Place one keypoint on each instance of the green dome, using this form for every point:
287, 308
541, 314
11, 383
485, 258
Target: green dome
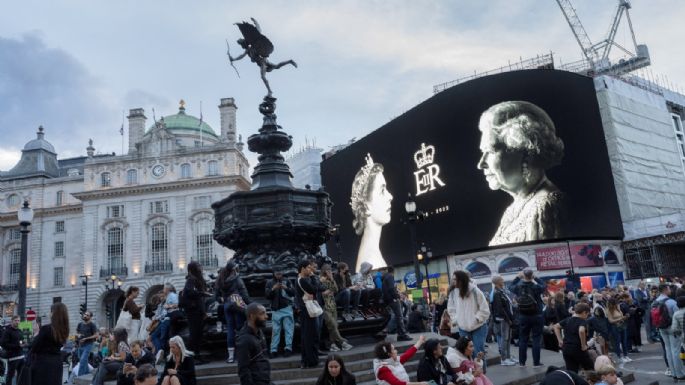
182, 123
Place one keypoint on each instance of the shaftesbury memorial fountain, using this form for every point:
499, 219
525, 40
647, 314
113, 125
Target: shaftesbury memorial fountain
274, 225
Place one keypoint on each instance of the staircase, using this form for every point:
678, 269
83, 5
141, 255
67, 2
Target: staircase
359, 361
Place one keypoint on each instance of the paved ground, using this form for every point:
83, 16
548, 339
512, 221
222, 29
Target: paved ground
648, 366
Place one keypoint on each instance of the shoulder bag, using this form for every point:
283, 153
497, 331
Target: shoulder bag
313, 308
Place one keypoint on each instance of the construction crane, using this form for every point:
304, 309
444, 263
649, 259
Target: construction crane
597, 55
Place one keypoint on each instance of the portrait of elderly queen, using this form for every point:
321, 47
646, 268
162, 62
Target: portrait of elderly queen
519, 143
370, 203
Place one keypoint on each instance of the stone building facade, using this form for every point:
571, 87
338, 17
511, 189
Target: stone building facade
125, 220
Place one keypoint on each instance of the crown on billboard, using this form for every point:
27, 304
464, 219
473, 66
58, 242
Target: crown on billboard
360, 181
424, 156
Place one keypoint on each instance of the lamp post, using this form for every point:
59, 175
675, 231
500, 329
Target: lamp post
25, 216
84, 282
114, 281
412, 217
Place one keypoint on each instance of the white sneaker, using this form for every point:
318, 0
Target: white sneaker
627, 359
334, 348
668, 372
346, 346
507, 363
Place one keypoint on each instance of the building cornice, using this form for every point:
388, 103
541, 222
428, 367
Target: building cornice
45, 212
239, 181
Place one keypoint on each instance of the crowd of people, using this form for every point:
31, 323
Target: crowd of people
594, 331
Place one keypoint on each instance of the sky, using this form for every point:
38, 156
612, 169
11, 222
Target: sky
77, 67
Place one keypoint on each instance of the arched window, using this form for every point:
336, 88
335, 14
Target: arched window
203, 241
59, 198
106, 179
15, 263
132, 177
115, 250
185, 170
159, 246
212, 168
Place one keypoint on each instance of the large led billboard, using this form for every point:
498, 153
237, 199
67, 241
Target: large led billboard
506, 159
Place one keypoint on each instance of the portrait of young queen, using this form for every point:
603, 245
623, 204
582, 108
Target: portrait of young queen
371, 204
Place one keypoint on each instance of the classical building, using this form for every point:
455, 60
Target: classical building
125, 220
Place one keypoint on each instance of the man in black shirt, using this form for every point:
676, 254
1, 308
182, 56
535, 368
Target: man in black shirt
251, 352
12, 343
574, 343
280, 292
86, 333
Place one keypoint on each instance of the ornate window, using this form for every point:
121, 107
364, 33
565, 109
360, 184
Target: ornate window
185, 170
15, 234
159, 207
58, 277
115, 250
132, 177
59, 198
59, 249
116, 211
59, 226
13, 201
203, 241
212, 168
159, 244
106, 179
15, 261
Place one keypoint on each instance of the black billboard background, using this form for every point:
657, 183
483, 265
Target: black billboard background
449, 122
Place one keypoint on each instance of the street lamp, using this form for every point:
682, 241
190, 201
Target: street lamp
114, 281
412, 217
25, 216
84, 282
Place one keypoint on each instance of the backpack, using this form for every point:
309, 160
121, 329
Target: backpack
526, 300
659, 315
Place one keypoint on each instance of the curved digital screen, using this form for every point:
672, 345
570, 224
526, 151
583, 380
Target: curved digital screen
508, 159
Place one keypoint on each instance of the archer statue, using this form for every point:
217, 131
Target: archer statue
258, 48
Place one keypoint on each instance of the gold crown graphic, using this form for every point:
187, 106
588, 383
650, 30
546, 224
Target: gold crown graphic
424, 156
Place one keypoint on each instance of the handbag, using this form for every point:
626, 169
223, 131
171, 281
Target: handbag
236, 303
124, 320
153, 325
313, 308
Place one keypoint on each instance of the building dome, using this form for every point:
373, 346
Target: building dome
181, 123
40, 143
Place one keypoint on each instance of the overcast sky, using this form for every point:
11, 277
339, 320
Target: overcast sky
77, 66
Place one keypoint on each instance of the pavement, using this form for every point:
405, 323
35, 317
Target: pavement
648, 366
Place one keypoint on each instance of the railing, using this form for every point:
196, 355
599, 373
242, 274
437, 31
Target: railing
121, 271
541, 62
159, 267
207, 261
8, 288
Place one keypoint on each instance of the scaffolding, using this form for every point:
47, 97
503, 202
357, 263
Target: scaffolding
660, 256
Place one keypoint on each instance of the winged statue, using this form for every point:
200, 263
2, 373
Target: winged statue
258, 48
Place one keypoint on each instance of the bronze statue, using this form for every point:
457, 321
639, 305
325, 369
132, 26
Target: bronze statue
258, 48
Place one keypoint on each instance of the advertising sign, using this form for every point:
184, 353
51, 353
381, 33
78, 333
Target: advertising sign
508, 159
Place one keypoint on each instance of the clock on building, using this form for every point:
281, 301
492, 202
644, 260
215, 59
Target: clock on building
158, 171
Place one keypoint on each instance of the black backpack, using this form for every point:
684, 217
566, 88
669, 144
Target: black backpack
526, 300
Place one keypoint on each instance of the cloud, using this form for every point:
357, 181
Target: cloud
47, 86
9, 156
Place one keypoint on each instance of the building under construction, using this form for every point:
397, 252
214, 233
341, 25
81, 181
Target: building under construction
642, 116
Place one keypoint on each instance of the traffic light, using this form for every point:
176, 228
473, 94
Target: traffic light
108, 310
83, 309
